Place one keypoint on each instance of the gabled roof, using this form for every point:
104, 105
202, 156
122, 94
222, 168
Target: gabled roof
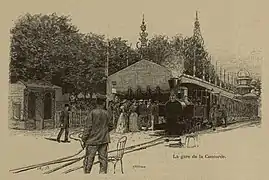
139, 62
37, 84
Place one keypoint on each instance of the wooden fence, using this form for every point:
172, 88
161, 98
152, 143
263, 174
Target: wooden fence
76, 118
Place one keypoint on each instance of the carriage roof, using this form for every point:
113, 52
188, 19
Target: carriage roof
186, 79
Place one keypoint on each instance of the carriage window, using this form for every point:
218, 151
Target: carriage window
16, 111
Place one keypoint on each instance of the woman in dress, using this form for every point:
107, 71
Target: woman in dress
115, 111
155, 113
122, 125
143, 118
133, 118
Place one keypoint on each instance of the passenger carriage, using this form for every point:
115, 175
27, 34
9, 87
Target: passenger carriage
201, 95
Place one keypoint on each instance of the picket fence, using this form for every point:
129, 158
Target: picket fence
76, 118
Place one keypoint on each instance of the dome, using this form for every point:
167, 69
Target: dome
243, 73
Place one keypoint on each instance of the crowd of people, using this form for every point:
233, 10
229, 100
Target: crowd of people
127, 116
133, 115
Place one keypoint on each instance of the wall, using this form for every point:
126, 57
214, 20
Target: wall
141, 74
16, 94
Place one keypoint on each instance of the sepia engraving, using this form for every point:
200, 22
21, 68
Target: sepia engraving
90, 96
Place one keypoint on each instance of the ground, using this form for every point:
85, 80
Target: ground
235, 143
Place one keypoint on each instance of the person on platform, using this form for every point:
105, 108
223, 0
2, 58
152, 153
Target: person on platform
122, 125
213, 116
222, 114
64, 123
173, 111
155, 112
133, 118
149, 114
96, 136
116, 111
143, 118
110, 107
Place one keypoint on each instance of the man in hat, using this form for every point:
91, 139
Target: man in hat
222, 114
96, 136
150, 123
155, 113
64, 123
213, 115
173, 110
143, 118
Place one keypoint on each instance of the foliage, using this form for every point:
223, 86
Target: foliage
120, 53
41, 45
50, 48
159, 48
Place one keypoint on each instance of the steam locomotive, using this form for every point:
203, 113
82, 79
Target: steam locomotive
197, 98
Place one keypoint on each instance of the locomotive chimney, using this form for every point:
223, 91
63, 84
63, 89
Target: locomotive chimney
173, 83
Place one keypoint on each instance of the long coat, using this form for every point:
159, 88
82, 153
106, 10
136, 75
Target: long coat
64, 119
97, 127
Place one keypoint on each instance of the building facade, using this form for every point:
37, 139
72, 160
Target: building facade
32, 105
142, 75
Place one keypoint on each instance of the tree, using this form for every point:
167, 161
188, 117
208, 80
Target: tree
192, 50
120, 55
40, 45
50, 48
159, 49
88, 71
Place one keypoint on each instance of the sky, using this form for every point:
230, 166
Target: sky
233, 30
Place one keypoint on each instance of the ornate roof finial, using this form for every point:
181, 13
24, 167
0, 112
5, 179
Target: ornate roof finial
143, 35
143, 41
196, 31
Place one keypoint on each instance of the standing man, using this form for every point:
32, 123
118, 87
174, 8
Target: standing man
223, 114
143, 117
173, 110
96, 136
64, 123
213, 116
150, 116
155, 113
115, 111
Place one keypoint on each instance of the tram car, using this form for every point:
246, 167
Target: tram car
197, 98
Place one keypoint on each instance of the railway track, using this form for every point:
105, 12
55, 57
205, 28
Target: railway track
72, 159
69, 160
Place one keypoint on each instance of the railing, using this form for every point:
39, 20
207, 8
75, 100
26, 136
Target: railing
76, 118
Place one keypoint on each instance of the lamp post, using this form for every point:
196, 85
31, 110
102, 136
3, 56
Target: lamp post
107, 58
